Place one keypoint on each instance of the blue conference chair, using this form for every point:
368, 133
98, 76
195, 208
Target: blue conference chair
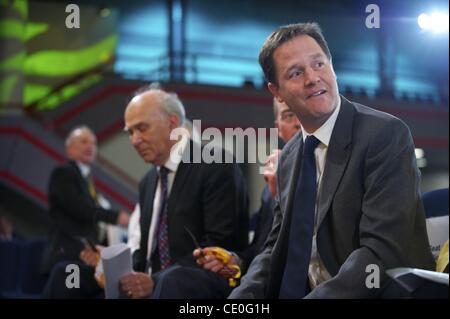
405, 284
20, 264
436, 209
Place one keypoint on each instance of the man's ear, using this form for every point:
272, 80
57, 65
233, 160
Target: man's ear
174, 121
273, 88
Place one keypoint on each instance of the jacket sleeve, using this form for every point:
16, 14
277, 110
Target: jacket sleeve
254, 284
224, 199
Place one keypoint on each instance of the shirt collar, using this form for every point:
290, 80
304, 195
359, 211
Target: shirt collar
323, 133
84, 169
173, 162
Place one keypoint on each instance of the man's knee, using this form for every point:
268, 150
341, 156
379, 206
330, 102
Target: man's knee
71, 280
178, 282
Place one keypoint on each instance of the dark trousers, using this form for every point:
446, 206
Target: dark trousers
57, 288
184, 282
175, 282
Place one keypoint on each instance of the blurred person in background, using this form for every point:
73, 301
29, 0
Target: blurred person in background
75, 207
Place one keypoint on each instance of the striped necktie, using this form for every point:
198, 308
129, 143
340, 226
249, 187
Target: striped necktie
162, 232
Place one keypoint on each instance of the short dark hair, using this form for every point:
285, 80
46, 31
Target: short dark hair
284, 34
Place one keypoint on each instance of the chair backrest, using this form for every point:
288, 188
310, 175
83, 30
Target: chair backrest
9, 266
436, 210
32, 280
20, 265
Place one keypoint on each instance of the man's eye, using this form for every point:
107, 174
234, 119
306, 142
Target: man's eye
142, 129
296, 74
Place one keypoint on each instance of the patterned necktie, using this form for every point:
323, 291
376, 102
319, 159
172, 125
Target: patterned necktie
162, 232
295, 276
91, 188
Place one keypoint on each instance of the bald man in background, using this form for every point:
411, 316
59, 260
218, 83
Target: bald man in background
74, 202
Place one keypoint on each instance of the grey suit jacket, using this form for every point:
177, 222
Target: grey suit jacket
369, 209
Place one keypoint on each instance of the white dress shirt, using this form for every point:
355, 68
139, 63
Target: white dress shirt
134, 229
172, 165
112, 233
317, 272
84, 169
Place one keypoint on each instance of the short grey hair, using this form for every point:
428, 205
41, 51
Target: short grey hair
170, 103
71, 135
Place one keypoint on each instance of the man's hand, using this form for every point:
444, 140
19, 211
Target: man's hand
137, 285
90, 256
123, 218
209, 260
270, 171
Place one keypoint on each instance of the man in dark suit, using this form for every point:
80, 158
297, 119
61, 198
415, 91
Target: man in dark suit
74, 209
180, 195
73, 200
349, 204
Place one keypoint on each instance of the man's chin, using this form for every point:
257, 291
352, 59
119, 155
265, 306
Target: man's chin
148, 158
87, 161
323, 108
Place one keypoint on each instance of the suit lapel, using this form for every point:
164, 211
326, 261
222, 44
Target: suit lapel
81, 180
289, 175
177, 188
181, 176
338, 154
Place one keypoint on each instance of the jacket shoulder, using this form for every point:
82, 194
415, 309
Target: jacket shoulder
66, 169
144, 180
377, 118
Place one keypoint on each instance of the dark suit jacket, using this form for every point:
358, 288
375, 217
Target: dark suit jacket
73, 212
369, 208
209, 199
264, 221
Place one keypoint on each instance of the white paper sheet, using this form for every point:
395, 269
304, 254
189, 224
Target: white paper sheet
116, 261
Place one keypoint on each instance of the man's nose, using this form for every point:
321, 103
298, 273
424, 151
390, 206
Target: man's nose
91, 146
311, 77
135, 139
